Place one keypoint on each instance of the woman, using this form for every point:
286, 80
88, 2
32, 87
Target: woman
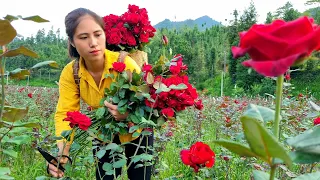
87, 44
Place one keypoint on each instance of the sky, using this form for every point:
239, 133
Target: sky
175, 10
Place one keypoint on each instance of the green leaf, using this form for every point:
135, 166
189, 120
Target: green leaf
11, 18
260, 175
66, 133
308, 141
135, 134
135, 119
304, 158
126, 86
260, 113
262, 143
122, 92
133, 128
109, 75
116, 99
27, 124
314, 106
150, 78
144, 89
10, 152
45, 63
237, 148
22, 139
37, 19
20, 51
160, 87
7, 32
4, 170
146, 133
309, 176
100, 112
123, 109
107, 167
120, 163
101, 153
112, 146
42, 178
178, 87
136, 78
19, 73
160, 121
122, 102
12, 114
142, 157
6, 177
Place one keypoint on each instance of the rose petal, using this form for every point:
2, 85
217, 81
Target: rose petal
238, 51
185, 157
294, 29
210, 163
272, 68
305, 44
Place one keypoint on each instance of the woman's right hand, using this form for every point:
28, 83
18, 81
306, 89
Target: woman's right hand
63, 149
54, 171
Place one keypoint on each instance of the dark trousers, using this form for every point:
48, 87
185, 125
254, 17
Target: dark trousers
133, 173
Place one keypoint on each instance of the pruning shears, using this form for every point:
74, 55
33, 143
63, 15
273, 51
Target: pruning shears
53, 160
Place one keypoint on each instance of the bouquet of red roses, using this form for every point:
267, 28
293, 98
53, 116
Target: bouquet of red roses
169, 88
129, 31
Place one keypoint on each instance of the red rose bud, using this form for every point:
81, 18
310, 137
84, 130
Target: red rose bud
271, 47
30, 95
287, 77
20, 90
165, 40
146, 68
119, 66
316, 121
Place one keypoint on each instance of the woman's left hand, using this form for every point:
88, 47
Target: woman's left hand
113, 109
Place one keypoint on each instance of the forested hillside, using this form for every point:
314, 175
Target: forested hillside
206, 52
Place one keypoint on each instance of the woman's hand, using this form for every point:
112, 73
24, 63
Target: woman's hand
113, 109
63, 149
54, 171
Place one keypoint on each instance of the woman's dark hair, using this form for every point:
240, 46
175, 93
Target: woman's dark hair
72, 21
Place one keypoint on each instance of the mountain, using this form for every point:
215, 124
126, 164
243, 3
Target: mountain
202, 23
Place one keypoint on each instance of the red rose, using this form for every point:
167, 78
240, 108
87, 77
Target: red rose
199, 104
275, 47
175, 69
198, 156
146, 68
114, 36
30, 95
119, 66
130, 39
167, 112
316, 121
144, 37
78, 119
133, 8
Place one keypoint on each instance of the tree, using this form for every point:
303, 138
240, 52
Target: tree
269, 18
287, 12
